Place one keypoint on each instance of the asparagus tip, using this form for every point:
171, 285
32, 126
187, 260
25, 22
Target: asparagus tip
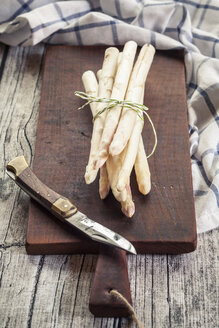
90, 176
145, 187
104, 192
99, 162
129, 210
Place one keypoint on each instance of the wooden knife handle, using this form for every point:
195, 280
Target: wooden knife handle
28, 181
111, 273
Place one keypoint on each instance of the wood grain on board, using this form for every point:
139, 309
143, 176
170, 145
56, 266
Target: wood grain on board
164, 221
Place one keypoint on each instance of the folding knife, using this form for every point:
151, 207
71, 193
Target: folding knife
19, 170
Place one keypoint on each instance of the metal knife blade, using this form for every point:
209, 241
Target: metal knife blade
61, 207
99, 233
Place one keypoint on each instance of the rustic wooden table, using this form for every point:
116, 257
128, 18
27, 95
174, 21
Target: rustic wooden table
53, 291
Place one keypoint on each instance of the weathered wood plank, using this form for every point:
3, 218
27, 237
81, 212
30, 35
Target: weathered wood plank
53, 291
182, 289
141, 282
19, 94
193, 285
18, 274
62, 295
160, 306
148, 277
56, 293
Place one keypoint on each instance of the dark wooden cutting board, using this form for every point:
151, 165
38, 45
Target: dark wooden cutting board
164, 221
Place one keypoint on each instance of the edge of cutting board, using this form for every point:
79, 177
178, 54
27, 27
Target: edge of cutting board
62, 74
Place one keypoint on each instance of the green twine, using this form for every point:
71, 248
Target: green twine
138, 108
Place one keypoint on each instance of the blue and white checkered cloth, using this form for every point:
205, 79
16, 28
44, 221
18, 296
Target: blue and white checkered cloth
167, 24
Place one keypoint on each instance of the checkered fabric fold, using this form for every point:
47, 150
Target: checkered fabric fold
192, 25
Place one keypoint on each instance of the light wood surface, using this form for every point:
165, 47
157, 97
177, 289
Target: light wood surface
53, 291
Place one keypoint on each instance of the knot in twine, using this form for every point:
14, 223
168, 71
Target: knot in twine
136, 107
130, 308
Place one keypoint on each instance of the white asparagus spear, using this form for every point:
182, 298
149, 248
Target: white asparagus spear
91, 87
118, 61
143, 179
104, 90
142, 170
137, 158
114, 165
113, 168
142, 175
104, 186
128, 206
125, 64
98, 74
125, 197
131, 153
128, 117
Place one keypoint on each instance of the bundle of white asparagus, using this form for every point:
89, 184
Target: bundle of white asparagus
116, 143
